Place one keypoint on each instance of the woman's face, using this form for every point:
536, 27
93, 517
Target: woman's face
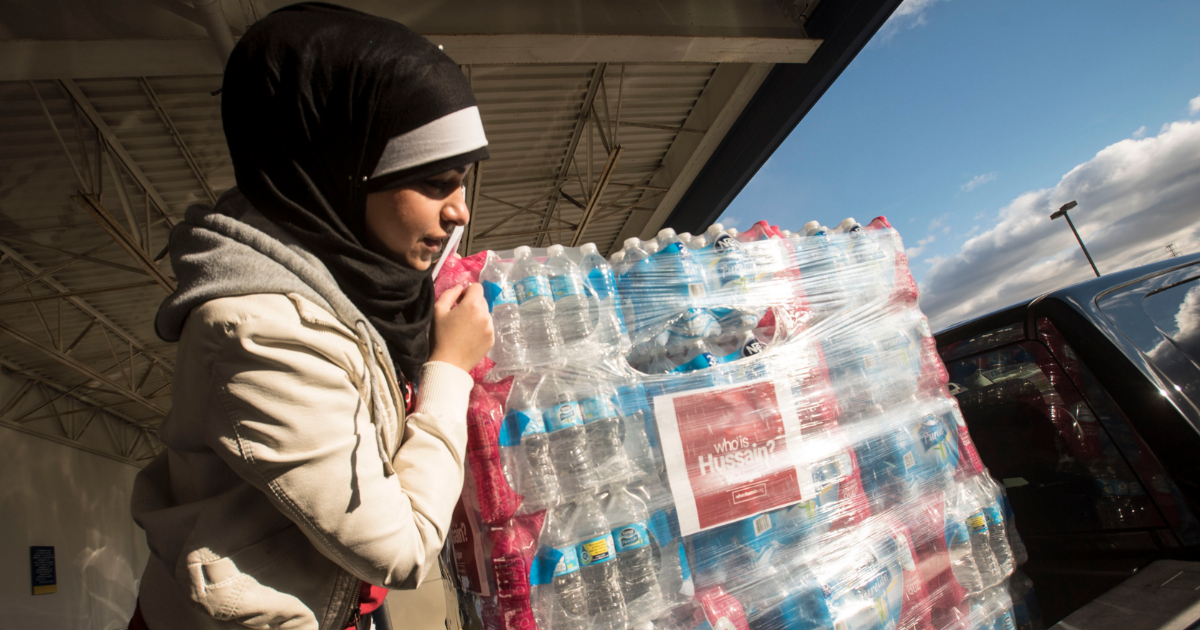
409, 224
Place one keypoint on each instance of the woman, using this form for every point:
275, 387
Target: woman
295, 476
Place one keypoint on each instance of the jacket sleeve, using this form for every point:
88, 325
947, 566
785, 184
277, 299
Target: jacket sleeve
292, 422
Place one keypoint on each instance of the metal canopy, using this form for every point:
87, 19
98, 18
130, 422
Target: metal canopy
605, 120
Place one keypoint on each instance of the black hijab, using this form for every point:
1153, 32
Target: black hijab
322, 105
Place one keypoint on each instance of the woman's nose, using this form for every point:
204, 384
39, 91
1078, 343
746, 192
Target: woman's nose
455, 211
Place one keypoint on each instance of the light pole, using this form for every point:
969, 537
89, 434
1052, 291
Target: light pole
1062, 212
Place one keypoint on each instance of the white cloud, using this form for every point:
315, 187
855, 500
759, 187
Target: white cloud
978, 181
910, 14
1134, 197
730, 221
946, 230
913, 252
1140, 132
1194, 105
938, 222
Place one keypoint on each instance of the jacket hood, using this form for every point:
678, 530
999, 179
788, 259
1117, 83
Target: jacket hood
232, 250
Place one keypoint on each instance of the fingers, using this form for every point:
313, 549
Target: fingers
448, 299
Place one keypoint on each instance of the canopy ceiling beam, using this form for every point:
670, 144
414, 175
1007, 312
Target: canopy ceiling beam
118, 149
597, 193
581, 122
33, 377
81, 367
84, 306
152, 96
112, 58
125, 240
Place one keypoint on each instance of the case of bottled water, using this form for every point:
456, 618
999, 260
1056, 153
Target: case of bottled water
732, 430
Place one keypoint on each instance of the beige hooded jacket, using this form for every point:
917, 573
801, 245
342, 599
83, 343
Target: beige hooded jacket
290, 471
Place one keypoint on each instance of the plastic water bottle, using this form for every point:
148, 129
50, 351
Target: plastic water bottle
535, 304
564, 605
571, 304
509, 349
958, 539
568, 440
973, 519
610, 326
983, 489
598, 566
537, 480
630, 522
604, 427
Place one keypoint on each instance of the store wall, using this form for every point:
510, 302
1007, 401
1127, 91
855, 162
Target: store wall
77, 502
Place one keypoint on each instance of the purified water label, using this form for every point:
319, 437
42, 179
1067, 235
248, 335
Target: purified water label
632, 536
531, 287
597, 550
568, 563
562, 416
992, 515
498, 294
519, 424
598, 408
566, 285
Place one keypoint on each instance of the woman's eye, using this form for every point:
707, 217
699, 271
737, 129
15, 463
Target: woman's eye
442, 187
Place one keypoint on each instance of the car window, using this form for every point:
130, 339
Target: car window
1173, 506
1176, 313
1037, 433
1159, 316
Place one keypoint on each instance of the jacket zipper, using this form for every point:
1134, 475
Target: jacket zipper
355, 609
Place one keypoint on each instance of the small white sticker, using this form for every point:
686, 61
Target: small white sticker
909, 460
762, 525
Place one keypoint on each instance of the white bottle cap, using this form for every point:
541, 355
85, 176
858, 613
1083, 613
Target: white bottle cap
651, 247
665, 234
715, 230
732, 232
786, 233
685, 236
811, 227
522, 251
700, 242
632, 242
846, 224
555, 250
617, 257
588, 249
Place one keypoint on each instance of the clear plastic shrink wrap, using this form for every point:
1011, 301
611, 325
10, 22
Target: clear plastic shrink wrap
728, 431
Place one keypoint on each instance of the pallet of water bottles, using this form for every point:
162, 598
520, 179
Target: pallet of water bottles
730, 431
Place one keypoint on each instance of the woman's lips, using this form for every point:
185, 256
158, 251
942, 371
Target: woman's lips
432, 243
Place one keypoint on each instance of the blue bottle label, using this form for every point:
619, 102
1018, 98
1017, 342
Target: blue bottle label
956, 534
702, 361
566, 285
602, 283
660, 528
518, 424
977, 523
598, 408
568, 563
498, 294
550, 563
993, 516
631, 537
597, 551
562, 416
683, 563
529, 288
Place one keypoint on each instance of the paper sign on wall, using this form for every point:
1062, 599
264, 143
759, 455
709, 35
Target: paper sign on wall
41, 569
731, 452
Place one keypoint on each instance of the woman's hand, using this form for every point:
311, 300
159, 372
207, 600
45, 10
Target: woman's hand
462, 327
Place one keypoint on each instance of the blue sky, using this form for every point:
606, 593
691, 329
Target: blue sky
959, 108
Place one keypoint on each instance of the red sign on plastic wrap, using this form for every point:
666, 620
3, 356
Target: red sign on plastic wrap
731, 451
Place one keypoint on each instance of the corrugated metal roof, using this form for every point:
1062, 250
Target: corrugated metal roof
530, 113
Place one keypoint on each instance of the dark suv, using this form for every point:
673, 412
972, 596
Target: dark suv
1085, 403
